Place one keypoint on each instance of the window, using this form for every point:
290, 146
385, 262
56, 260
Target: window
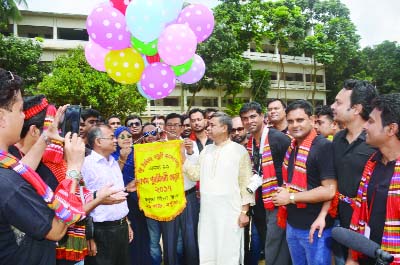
171, 101
28, 31
319, 79
209, 102
274, 75
72, 34
7, 31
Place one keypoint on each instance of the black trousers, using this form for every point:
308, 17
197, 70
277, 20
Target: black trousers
112, 245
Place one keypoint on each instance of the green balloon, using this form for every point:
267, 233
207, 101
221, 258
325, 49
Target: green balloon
182, 68
147, 48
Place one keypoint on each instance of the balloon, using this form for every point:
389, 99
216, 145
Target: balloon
195, 73
144, 19
158, 80
171, 9
147, 48
141, 92
177, 44
95, 55
183, 68
121, 5
199, 18
124, 66
153, 59
107, 27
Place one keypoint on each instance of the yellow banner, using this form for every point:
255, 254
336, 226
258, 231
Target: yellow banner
159, 179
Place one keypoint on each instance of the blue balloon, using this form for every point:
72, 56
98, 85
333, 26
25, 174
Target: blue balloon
146, 19
141, 92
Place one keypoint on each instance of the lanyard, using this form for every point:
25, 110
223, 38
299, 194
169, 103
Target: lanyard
260, 149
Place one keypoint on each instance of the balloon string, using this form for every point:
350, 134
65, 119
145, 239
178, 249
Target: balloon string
160, 131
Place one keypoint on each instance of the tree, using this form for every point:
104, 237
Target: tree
260, 84
380, 65
23, 57
9, 10
73, 81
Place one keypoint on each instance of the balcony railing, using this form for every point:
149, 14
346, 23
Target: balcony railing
272, 57
165, 110
295, 85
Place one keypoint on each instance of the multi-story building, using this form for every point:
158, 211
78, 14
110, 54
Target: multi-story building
61, 32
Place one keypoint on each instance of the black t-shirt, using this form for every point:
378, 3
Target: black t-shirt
319, 167
349, 162
200, 145
22, 208
43, 171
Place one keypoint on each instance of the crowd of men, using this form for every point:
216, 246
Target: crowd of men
261, 185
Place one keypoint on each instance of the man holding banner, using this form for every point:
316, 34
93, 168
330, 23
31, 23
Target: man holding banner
224, 170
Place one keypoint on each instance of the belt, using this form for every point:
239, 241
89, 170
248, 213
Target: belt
111, 223
191, 190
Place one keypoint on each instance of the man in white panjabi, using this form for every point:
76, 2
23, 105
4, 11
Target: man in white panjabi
224, 171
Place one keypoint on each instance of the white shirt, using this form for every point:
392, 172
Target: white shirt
97, 172
188, 184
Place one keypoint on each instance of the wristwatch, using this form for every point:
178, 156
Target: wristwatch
74, 174
291, 198
248, 213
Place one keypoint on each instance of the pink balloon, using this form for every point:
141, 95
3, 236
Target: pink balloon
95, 55
195, 73
199, 18
177, 44
107, 27
158, 80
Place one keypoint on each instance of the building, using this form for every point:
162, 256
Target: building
61, 32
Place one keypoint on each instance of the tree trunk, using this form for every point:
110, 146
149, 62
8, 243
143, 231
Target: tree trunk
283, 74
314, 83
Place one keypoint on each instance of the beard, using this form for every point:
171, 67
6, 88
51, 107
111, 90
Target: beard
239, 138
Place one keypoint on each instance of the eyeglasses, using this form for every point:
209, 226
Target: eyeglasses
136, 124
146, 134
238, 129
115, 123
122, 137
107, 138
173, 125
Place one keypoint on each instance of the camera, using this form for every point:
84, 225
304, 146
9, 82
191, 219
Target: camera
255, 182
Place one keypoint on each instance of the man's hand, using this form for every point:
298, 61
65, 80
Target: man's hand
243, 220
107, 191
188, 144
281, 197
319, 224
130, 233
52, 131
92, 247
115, 198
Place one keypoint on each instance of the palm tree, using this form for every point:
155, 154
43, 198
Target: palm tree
9, 9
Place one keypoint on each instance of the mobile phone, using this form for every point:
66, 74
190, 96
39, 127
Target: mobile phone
71, 120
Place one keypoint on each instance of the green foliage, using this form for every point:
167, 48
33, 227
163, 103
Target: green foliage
23, 57
233, 108
9, 10
381, 65
73, 81
260, 85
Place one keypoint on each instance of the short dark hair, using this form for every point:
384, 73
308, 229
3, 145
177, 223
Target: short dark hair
224, 119
113, 116
389, 104
269, 101
324, 110
246, 107
87, 113
197, 110
148, 124
300, 104
38, 119
132, 117
157, 117
10, 85
173, 116
362, 93
184, 117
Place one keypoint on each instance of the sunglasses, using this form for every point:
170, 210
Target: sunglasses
123, 137
238, 129
136, 124
146, 134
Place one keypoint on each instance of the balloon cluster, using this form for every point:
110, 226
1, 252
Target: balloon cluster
148, 42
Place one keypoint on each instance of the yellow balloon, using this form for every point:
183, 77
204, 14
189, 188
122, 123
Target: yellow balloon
124, 66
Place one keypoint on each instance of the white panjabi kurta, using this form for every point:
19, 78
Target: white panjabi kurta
224, 172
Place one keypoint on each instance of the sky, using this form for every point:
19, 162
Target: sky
375, 20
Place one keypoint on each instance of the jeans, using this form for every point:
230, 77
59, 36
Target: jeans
304, 253
255, 245
155, 234
339, 251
